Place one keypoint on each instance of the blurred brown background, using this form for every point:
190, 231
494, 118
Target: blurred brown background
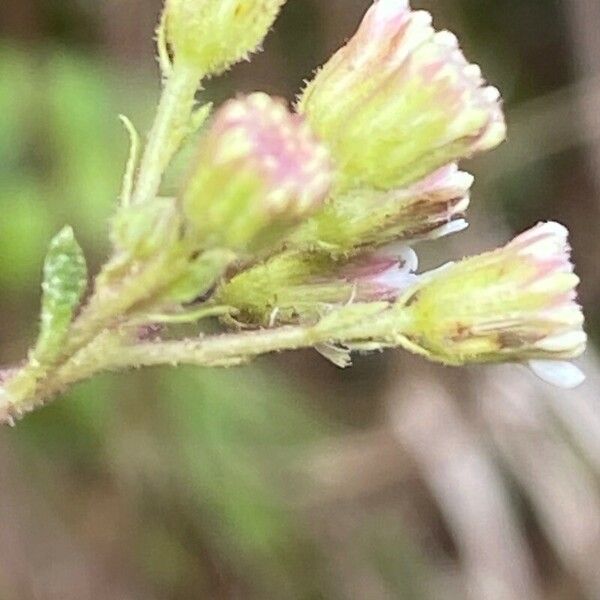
291, 479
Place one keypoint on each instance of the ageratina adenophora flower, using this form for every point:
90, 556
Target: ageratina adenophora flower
211, 35
400, 101
517, 303
430, 208
259, 171
296, 287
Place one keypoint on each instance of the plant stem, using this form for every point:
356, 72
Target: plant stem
112, 302
111, 351
190, 316
170, 127
215, 350
22, 384
31, 385
229, 348
106, 353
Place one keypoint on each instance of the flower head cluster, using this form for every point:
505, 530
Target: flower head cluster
303, 218
398, 107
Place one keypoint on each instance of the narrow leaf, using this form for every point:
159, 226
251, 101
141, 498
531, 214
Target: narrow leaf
65, 281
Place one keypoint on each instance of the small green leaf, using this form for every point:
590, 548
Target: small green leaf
200, 277
65, 281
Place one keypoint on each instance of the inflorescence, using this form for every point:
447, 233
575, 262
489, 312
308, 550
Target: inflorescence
295, 226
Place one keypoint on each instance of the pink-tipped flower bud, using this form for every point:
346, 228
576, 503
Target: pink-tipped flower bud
380, 276
431, 208
517, 303
259, 171
299, 287
400, 100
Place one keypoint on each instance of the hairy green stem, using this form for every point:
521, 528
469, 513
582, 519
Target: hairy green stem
33, 386
92, 338
108, 353
111, 302
114, 301
191, 316
171, 126
91, 341
216, 350
112, 351
229, 348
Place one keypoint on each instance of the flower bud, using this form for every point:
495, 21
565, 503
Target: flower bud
212, 35
297, 287
259, 172
513, 304
431, 208
400, 100
380, 276
143, 230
